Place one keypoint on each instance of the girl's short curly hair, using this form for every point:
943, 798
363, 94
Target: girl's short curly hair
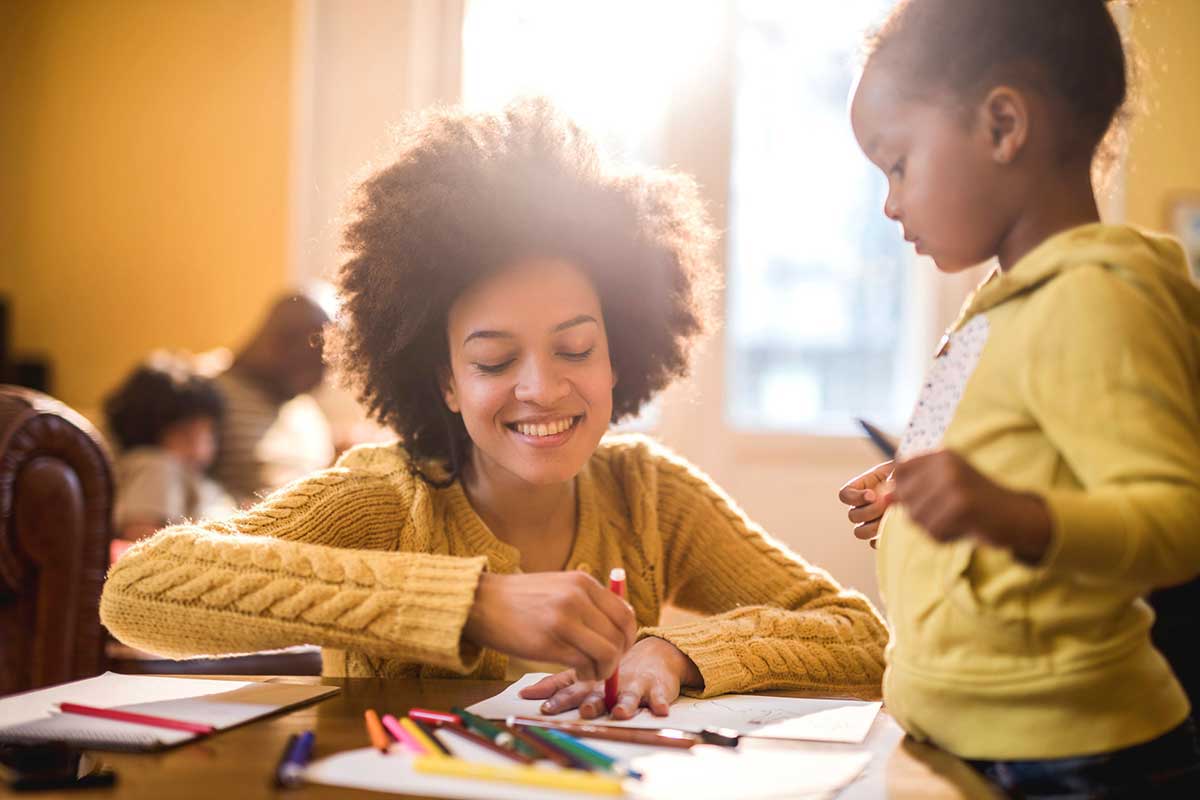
163, 390
467, 194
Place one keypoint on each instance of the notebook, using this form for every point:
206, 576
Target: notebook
34, 716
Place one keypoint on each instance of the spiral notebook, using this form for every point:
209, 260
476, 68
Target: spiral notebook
35, 717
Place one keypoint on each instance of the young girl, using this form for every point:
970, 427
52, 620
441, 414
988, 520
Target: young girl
1050, 475
164, 417
507, 296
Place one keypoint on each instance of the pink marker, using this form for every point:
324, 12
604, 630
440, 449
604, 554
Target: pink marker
403, 737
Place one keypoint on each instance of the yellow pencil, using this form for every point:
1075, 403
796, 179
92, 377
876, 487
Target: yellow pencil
430, 747
379, 739
569, 780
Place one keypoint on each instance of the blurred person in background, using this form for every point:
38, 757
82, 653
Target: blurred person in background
164, 417
273, 431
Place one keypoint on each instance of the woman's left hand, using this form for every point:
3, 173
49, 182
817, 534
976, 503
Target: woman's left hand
650, 675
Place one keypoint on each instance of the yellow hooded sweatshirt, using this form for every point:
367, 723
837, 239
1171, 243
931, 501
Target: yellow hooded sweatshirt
1075, 375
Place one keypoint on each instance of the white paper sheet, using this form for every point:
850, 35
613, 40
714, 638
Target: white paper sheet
108, 691
799, 718
702, 773
367, 768
34, 716
721, 773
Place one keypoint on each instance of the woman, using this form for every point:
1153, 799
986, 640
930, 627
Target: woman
508, 295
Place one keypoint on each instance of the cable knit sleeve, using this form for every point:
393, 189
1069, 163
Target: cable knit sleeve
328, 560
777, 622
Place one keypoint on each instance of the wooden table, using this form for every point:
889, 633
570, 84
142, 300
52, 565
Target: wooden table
238, 763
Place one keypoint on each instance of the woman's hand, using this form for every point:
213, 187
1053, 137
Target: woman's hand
651, 674
564, 617
868, 496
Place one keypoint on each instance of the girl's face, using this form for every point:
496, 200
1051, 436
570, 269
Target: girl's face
530, 371
943, 181
192, 440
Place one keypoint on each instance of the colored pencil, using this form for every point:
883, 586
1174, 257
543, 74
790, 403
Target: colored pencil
140, 719
576, 747
570, 780
574, 760
616, 585
424, 736
471, 736
540, 747
661, 737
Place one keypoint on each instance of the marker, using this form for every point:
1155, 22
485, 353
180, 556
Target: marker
435, 717
616, 585
501, 736
379, 738
878, 438
406, 740
290, 771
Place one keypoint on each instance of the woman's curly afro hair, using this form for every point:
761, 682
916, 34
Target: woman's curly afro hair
468, 194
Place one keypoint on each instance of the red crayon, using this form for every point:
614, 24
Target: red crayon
616, 585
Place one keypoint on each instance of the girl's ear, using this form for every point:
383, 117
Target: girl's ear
449, 391
1005, 113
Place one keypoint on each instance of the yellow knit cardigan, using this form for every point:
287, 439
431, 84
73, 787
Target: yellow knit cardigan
380, 569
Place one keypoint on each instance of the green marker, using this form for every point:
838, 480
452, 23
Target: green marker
494, 733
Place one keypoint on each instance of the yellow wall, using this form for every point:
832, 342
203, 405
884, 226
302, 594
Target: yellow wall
1164, 145
145, 161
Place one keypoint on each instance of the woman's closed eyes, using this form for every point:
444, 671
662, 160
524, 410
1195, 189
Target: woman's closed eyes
499, 367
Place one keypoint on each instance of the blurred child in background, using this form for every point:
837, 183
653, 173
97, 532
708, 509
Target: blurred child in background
164, 417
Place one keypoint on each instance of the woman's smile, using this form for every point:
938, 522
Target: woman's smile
545, 431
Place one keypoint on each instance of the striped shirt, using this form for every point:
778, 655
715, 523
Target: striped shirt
265, 444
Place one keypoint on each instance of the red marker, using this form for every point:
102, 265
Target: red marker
435, 717
616, 585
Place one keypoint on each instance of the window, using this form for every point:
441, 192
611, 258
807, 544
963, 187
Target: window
612, 66
818, 279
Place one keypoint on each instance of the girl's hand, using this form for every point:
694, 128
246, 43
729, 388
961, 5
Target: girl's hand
565, 617
950, 499
651, 674
868, 496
